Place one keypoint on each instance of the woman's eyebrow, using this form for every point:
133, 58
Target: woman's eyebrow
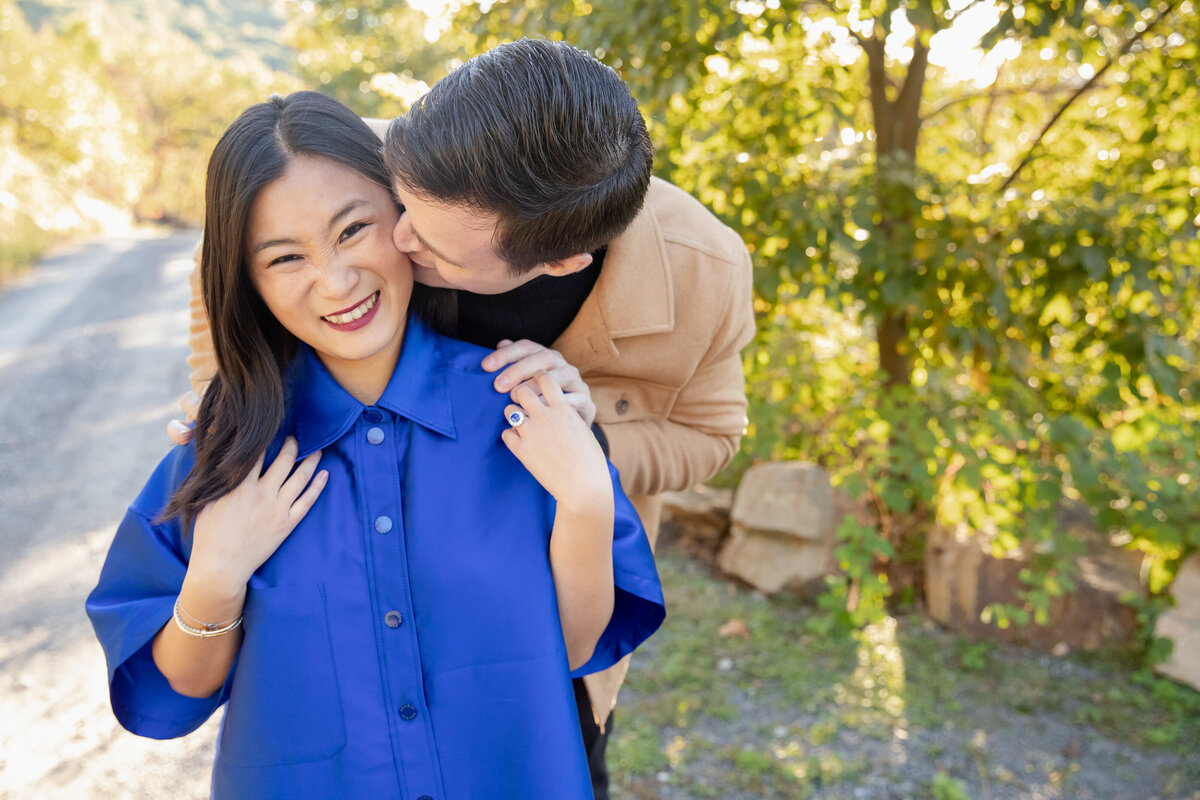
333, 221
346, 209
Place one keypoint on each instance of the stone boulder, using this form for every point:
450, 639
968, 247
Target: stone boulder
963, 576
783, 522
695, 520
1181, 624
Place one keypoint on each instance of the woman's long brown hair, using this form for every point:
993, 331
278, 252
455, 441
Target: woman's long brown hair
244, 404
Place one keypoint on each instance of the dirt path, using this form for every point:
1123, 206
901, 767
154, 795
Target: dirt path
92, 348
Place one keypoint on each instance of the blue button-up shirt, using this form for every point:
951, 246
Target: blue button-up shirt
404, 641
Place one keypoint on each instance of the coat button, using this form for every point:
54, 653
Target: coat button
408, 712
375, 435
622, 406
392, 619
383, 524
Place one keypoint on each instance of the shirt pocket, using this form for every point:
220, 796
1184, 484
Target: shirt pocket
630, 400
285, 703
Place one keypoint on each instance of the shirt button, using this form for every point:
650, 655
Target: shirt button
408, 712
424, 797
622, 406
383, 524
375, 435
372, 415
393, 619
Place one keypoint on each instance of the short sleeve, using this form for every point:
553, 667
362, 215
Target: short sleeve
638, 607
134, 598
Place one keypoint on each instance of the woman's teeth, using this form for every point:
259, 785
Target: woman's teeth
355, 313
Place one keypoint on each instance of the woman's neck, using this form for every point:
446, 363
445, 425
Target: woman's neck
366, 378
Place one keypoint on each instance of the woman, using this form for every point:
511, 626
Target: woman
403, 622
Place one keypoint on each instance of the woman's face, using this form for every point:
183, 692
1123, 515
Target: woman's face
319, 248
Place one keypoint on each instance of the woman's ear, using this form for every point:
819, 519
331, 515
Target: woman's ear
568, 265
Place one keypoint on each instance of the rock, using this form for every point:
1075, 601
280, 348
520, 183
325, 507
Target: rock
963, 577
783, 522
1181, 624
696, 519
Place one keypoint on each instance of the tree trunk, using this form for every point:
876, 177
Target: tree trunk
897, 125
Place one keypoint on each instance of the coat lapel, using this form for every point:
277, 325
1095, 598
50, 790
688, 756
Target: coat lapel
633, 297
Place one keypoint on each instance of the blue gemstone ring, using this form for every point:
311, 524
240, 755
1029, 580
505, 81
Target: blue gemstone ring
516, 418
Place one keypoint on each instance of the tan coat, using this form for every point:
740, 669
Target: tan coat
658, 342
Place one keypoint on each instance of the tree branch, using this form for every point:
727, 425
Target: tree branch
907, 107
1048, 91
963, 10
1137, 37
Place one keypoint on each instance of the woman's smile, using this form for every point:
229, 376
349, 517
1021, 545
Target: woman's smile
355, 317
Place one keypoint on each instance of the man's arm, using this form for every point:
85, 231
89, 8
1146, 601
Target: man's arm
701, 433
202, 359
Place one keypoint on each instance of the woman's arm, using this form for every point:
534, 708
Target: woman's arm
559, 450
231, 539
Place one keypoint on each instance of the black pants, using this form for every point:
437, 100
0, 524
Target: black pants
594, 741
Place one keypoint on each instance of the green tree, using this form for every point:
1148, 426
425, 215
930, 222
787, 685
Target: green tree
976, 273
106, 112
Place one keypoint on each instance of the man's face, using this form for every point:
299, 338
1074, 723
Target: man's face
453, 247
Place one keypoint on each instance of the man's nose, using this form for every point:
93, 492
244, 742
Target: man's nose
403, 236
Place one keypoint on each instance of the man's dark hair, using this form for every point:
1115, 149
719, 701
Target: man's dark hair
539, 133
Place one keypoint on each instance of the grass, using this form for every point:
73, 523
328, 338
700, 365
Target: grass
795, 708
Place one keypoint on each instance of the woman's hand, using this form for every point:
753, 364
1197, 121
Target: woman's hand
557, 446
234, 535
525, 360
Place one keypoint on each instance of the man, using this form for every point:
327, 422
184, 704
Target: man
526, 180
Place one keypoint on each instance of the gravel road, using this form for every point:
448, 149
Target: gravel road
92, 349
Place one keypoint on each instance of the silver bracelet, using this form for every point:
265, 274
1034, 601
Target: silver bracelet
205, 630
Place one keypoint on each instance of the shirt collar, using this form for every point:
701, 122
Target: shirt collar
322, 411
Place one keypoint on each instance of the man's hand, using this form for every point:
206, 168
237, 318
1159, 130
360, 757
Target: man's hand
522, 361
181, 432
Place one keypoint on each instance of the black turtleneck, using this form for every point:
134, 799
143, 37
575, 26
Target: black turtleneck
539, 310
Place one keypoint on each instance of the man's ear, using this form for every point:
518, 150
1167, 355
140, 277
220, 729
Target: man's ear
568, 265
